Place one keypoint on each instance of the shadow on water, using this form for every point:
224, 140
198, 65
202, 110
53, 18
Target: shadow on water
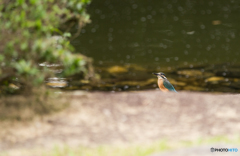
194, 42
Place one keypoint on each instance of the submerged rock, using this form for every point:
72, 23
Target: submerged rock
173, 82
57, 82
194, 73
214, 79
117, 69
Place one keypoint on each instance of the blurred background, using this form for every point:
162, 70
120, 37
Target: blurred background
116, 45
167, 33
194, 42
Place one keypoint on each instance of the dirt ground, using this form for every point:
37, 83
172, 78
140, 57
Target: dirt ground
129, 117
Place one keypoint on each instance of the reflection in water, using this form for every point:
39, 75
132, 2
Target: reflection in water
56, 82
161, 35
214, 78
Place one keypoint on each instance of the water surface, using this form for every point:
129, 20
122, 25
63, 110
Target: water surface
164, 35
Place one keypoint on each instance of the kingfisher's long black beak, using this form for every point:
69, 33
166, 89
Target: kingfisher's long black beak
155, 73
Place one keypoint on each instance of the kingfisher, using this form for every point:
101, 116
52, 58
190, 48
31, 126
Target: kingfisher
163, 83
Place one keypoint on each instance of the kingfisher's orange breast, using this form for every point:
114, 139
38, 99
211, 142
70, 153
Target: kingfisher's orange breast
161, 86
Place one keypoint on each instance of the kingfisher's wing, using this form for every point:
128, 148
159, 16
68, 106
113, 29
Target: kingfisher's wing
169, 86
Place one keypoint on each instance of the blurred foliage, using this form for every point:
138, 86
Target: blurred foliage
41, 101
32, 33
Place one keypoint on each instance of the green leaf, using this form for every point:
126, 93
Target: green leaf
67, 34
24, 46
79, 6
1, 58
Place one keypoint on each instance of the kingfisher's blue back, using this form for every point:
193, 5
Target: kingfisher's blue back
168, 85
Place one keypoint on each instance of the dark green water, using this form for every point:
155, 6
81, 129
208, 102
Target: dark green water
163, 34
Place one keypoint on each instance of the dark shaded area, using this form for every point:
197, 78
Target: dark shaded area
167, 33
